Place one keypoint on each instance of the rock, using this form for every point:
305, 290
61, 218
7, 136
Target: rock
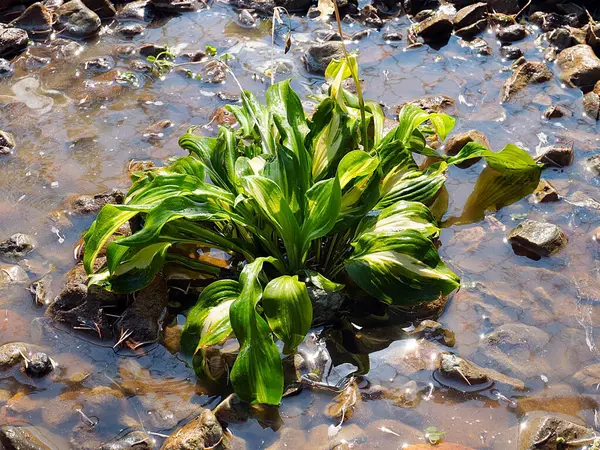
99, 64
134, 440
6, 69
152, 50
524, 75
514, 349
12, 41
537, 239
83, 306
505, 6
203, 432
40, 290
434, 331
440, 446
140, 10
543, 433
391, 36
591, 105
195, 56
77, 20
561, 38
12, 274
511, 52
38, 365
588, 378
103, 8
156, 131
546, 193
481, 46
143, 319
456, 142
556, 112
470, 15
325, 305
437, 28
92, 204
7, 142
556, 156
131, 30
23, 438
580, 66
473, 30
318, 56
232, 410
16, 247
213, 71
511, 33
415, 6
246, 19
425, 14
433, 103
405, 396
11, 354
593, 164
36, 20
592, 37
175, 6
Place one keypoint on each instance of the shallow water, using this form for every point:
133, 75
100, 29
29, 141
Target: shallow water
73, 140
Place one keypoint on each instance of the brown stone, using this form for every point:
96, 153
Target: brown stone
546, 193
580, 67
456, 142
524, 75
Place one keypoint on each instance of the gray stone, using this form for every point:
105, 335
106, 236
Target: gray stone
92, 204
537, 239
588, 378
561, 38
12, 41
318, 56
593, 164
134, 440
7, 142
23, 438
99, 64
580, 66
130, 30
6, 68
38, 365
176, 6
203, 432
326, 306
140, 10
16, 247
556, 156
246, 19
524, 75
545, 433
433, 103
511, 52
511, 33
103, 8
77, 20
11, 354
591, 105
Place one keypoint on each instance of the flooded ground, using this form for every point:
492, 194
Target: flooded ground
536, 321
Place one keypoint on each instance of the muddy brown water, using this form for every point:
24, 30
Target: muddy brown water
69, 141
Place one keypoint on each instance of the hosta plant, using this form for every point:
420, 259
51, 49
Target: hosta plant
326, 199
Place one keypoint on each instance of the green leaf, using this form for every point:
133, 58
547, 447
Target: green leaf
257, 375
318, 280
356, 164
414, 185
324, 200
401, 268
210, 50
215, 294
288, 309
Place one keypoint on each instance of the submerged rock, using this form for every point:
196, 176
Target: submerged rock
22, 438
12, 41
546, 433
6, 69
36, 20
11, 354
7, 142
580, 66
556, 112
433, 103
103, 8
318, 56
12, 274
134, 440
176, 6
16, 247
511, 52
38, 365
537, 239
77, 20
456, 142
232, 410
561, 38
556, 156
98, 64
524, 75
203, 432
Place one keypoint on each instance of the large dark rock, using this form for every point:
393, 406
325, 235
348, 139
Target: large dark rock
92, 204
12, 41
511, 33
556, 156
103, 8
561, 38
592, 37
469, 15
326, 305
143, 319
36, 20
203, 432
580, 67
318, 56
436, 28
537, 239
511, 52
139, 10
524, 75
415, 6
77, 20
505, 6
546, 433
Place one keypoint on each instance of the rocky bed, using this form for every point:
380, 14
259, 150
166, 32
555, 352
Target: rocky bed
512, 362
